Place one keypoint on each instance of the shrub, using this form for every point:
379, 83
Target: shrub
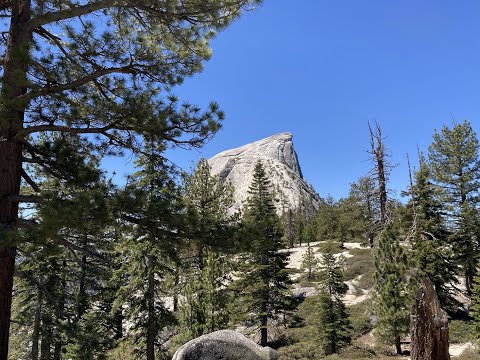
461, 331
334, 247
361, 263
355, 352
300, 351
360, 319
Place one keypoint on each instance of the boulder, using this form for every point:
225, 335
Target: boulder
223, 345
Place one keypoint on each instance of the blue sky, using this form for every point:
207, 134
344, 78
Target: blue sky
322, 69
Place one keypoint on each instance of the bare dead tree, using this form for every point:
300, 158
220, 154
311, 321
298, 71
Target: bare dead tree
381, 169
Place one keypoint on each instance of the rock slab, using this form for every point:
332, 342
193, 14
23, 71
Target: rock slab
223, 345
281, 163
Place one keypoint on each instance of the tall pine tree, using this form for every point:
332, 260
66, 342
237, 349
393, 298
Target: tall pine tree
149, 208
96, 70
391, 297
264, 283
208, 228
433, 253
455, 164
333, 319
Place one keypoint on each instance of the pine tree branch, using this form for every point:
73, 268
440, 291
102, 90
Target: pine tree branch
72, 246
30, 181
26, 199
57, 128
129, 69
72, 12
24, 275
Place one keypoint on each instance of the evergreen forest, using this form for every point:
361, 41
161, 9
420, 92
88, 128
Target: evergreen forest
94, 269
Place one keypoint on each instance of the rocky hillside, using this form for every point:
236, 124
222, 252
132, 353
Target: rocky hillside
281, 161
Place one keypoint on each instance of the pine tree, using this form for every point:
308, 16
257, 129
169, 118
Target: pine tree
264, 284
391, 298
208, 229
207, 200
96, 71
65, 269
325, 225
432, 252
309, 262
455, 165
333, 319
466, 240
475, 308
363, 193
149, 206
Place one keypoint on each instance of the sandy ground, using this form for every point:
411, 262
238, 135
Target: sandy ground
458, 349
354, 296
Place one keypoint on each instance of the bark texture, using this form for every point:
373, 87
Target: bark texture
429, 326
11, 122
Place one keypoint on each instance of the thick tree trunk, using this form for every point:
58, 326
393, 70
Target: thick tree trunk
11, 121
429, 326
151, 310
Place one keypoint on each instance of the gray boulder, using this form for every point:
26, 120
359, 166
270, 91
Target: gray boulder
223, 345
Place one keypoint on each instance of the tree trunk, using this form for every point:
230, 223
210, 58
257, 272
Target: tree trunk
429, 326
11, 121
57, 352
36, 325
81, 302
291, 237
151, 309
118, 323
45, 344
398, 345
263, 328
175, 288
263, 306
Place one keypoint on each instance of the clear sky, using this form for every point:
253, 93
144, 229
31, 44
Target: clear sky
322, 69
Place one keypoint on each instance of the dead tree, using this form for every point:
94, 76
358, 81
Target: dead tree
381, 168
429, 327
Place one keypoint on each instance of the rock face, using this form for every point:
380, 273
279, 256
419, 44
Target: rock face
429, 326
280, 160
223, 345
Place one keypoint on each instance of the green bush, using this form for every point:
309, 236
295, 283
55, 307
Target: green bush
361, 263
124, 350
355, 352
360, 319
461, 331
300, 351
334, 247
366, 281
